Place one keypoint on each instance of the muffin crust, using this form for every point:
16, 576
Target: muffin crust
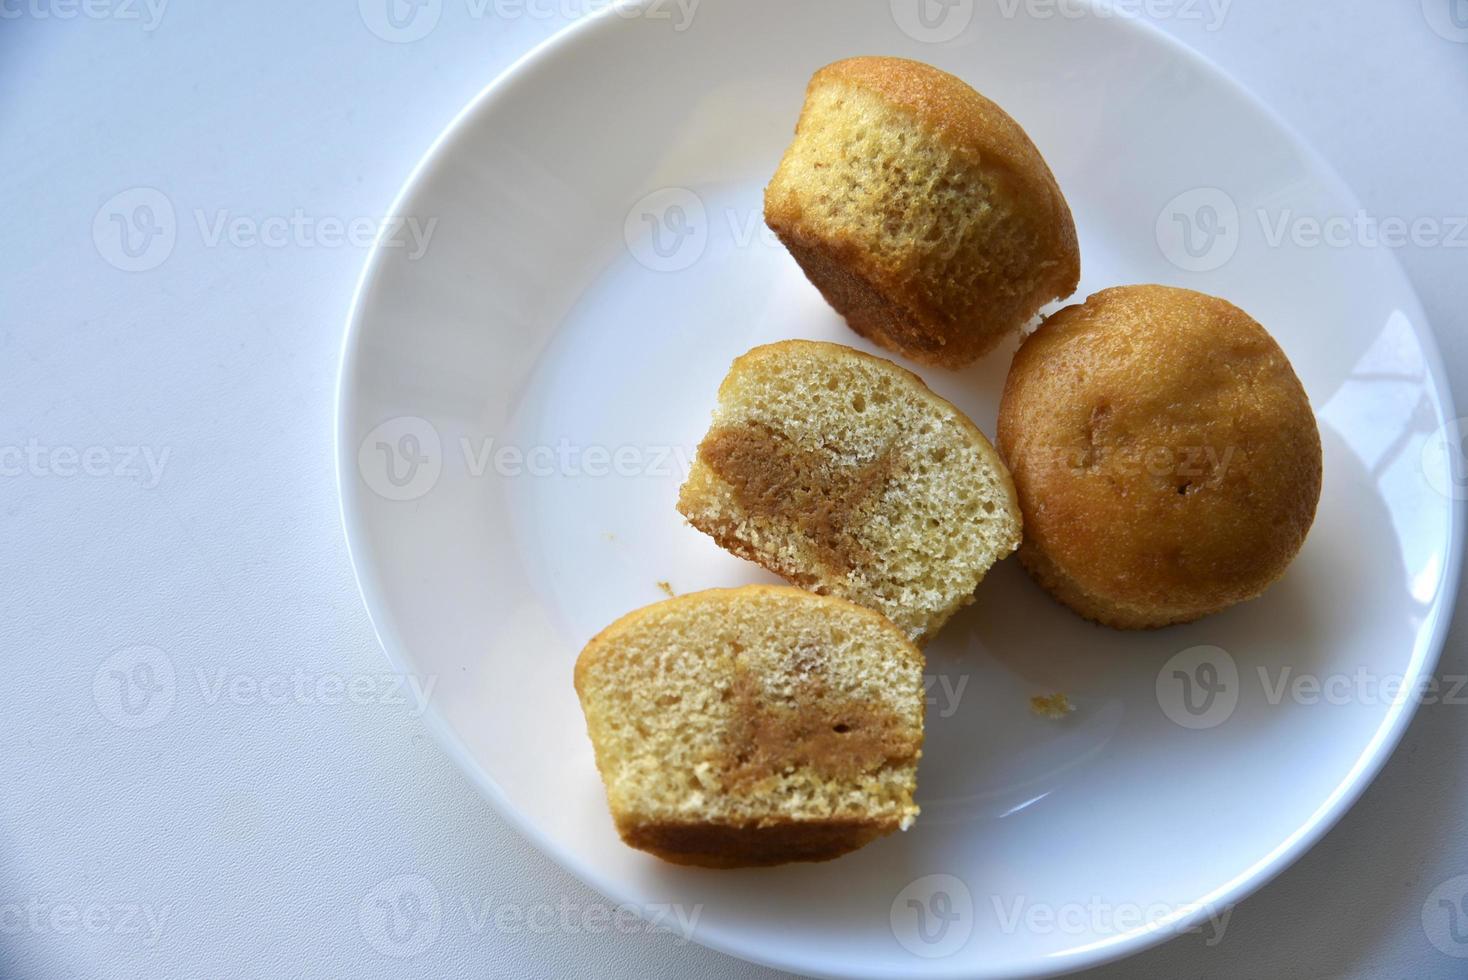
921, 210
1166, 457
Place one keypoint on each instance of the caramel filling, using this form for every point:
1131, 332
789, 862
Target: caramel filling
774, 479
832, 734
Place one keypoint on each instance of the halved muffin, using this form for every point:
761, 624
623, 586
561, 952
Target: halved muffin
846, 475
754, 726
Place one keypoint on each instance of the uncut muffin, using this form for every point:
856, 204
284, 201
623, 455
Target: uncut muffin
1166, 457
754, 726
921, 211
844, 474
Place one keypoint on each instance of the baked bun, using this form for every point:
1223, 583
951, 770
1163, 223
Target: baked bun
921, 211
1167, 459
754, 726
844, 474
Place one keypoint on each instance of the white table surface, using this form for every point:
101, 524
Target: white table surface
238, 834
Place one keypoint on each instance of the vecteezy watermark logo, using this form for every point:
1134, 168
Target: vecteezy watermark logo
310, 689
1361, 230
942, 693
671, 229
576, 918
932, 21
573, 460
1188, 465
404, 21
134, 688
1199, 687
1445, 917
1445, 460
401, 459
38, 916
1198, 231
401, 917
1361, 686
933, 917
138, 686
678, 13
1448, 19
1098, 916
400, 21
301, 230
1210, 13
136, 229
149, 12
667, 230
141, 464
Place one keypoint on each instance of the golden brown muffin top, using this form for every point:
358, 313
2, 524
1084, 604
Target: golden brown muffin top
969, 123
1164, 450
958, 113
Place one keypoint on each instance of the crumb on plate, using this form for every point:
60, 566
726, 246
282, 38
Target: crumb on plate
1053, 706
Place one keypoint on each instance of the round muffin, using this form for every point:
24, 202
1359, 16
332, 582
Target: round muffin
1166, 458
921, 211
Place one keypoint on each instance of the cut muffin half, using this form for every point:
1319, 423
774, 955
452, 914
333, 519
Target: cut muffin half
754, 726
846, 475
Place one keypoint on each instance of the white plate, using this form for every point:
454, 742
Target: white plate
598, 260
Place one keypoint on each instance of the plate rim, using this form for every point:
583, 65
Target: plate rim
1333, 807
